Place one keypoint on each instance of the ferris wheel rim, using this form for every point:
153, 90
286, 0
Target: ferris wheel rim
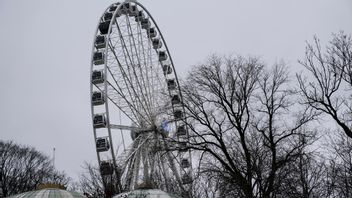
105, 69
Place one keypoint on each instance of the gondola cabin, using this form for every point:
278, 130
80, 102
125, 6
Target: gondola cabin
104, 27
157, 43
125, 8
178, 114
171, 84
106, 168
152, 32
167, 69
98, 77
182, 146
114, 7
100, 42
102, 144
175, 99
140, 16
181, 130
108, 16
145, 24
162, 56
99, 121
98, 98
133, 11
98, 58
186, 178
185, 163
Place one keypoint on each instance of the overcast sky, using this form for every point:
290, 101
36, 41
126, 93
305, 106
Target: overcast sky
45, 49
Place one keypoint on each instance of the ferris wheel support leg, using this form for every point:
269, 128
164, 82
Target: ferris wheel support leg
136, 170
145, 167
166, 173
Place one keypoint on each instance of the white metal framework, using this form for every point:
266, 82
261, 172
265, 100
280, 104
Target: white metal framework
134, 87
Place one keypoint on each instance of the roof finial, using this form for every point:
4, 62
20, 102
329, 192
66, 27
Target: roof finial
54, 157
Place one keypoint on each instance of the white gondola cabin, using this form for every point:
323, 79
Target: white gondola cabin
185, 163
100, 42
178, 114
167, 69
171, 84
181, 130
175, 99
98, 58
125, 8
104, 27
98, 77
133, 11
182, 146
99, 121
98, 98
152, 32
108, 16
162, 56
186, 178
114, 7
157, 43
140, 16
145, 24
106, 168
102, 144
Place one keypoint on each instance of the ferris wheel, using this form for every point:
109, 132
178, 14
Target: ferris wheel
136, 104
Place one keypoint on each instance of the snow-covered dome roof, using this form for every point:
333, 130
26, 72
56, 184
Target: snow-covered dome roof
150, 193
48, 193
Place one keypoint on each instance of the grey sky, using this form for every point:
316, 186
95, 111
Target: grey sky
46, 47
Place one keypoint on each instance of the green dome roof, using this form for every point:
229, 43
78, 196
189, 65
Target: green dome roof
150, 193
48, 193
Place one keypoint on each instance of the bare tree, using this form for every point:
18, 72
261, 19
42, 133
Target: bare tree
306, 178
91, 183
329, 91
245, 123
339, 174
23, 168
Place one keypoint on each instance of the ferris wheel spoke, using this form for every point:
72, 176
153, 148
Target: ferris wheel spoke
130, 173
119, 91
126, 79
156, 80
123, 127
170, 156
124, 158
129, 58
133, 43
133, 110
141, 49
132, 96
130, 162
115, 102
145, 60
123, 71
138, 144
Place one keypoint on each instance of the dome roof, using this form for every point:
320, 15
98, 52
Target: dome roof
150, 193
48, 193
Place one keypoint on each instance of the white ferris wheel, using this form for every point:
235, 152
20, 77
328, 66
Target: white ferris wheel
135, 95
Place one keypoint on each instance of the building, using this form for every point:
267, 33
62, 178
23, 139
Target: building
48, 193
